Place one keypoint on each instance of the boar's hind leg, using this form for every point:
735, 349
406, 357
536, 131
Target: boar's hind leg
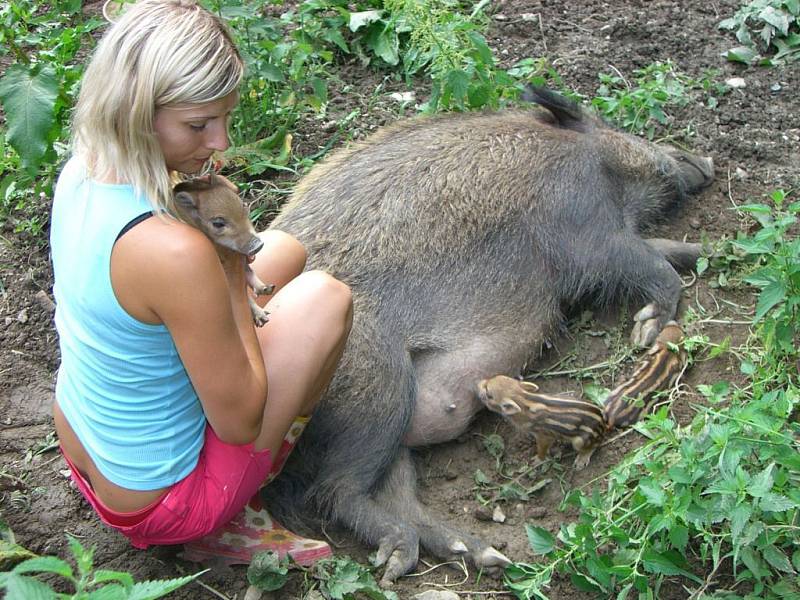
398, 495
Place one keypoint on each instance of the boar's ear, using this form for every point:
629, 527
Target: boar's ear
567, 113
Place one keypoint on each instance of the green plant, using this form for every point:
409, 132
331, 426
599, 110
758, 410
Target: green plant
715, 501
776, 24
36, 92
89, 583
641, 107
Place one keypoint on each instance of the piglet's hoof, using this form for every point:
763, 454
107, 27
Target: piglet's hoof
649, 322
265, 289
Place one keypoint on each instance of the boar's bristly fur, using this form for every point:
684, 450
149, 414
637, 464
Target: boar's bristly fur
463, 237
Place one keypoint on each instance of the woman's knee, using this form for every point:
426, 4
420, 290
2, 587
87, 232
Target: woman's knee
281, 257
328, 295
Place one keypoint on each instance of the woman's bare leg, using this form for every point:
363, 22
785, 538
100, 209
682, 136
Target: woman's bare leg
310, 318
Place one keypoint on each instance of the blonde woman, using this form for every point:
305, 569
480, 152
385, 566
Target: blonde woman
172, 410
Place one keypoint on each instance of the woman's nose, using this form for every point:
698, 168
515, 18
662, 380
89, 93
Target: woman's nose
218, 137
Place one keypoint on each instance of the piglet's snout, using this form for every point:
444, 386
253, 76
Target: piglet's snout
255, 245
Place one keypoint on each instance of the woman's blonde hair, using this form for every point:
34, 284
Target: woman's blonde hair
157, 54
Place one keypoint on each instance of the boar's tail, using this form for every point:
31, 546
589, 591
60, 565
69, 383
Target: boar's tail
567, 113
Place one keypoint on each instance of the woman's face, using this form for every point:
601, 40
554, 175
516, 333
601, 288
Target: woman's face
190, 133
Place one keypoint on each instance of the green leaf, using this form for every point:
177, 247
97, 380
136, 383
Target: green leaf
753, 561
679, 537
776, 557
363, 18
44, 564
653, 491
457, 83
149, 590
739, 518
104, 576
762, 482
540, 540
385, 44
483, 50
666, 563
742, 54
29, 98
771, 295
20, 587
776, 502
267, 571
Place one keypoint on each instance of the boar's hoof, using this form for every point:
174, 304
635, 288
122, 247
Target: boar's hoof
399, 550
490, 559
649, 322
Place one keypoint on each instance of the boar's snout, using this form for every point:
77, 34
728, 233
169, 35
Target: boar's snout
696, 172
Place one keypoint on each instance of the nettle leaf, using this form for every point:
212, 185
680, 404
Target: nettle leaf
741, 54
776, 503
541, 540
652, 491
146, 590
667, 563
679, 537
363, 18
267, 571
762, 482
753, 561
29, 97
44, 564
771, 295
20, 587
778, 19
777, 559
740, 516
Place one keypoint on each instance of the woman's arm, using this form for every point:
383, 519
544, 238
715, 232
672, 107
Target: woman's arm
168, 272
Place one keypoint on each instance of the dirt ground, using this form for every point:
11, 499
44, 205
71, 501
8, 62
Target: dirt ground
754, 137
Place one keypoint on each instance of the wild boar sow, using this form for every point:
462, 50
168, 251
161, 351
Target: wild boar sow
463, 238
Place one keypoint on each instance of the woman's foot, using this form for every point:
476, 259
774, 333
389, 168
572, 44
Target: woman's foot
252, 531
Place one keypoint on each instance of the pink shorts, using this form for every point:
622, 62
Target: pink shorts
225, 479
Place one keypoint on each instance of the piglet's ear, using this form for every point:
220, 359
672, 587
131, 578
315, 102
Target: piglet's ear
509, 407
185, 200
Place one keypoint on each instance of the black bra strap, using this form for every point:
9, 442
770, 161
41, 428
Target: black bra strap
133, 223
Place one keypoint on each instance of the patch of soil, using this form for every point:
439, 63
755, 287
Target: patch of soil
753, 136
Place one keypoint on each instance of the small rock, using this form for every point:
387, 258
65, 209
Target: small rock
500, 17
22, 316
65, 473
537, 512
694, 223
498, 516
776, 87
736, 82
482, 514
529, 16
450, 475
403, 97
436, 595
9, 321
44, 301
741, 173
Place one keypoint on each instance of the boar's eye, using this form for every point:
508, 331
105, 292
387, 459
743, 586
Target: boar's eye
218, 222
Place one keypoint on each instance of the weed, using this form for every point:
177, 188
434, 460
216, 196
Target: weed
776, 25
338, 578
717, 495
87, 582
641, 107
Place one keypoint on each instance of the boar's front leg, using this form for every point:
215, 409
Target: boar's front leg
398, 495
643, 268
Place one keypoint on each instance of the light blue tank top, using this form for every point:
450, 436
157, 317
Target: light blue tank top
121, 384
